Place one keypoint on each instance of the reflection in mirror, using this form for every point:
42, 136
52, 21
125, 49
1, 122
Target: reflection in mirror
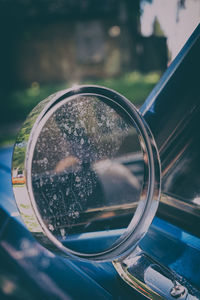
87, 171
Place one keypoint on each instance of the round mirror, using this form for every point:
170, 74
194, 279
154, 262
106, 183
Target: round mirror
91, 173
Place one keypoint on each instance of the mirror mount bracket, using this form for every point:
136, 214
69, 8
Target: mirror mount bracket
152, 279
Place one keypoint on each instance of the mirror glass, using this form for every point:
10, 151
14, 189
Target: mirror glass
87, 172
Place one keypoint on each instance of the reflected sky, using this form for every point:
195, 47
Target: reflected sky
177, 22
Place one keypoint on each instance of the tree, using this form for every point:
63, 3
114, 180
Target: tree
157, 29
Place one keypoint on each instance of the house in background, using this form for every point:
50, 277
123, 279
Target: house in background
58, 41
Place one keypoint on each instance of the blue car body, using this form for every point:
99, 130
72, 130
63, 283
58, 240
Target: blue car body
29, 271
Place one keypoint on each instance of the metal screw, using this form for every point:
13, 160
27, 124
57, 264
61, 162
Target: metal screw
178, 291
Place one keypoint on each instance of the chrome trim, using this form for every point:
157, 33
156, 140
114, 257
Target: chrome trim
151, 190
180, 204
152, 279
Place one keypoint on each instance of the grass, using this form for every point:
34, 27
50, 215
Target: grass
16, 105
7, 139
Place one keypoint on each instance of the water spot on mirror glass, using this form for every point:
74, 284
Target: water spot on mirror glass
87, 172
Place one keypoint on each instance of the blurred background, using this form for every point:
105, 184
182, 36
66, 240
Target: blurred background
48, 45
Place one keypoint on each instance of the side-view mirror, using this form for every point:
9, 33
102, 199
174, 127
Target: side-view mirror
86, 178
86, 174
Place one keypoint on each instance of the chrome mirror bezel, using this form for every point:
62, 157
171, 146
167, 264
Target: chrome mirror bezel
151, 189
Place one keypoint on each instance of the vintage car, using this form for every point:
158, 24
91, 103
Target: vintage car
110, 195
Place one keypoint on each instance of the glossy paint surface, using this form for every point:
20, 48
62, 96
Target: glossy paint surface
29, 269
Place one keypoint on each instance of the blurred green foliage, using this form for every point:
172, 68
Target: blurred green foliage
17, 104
7, 139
